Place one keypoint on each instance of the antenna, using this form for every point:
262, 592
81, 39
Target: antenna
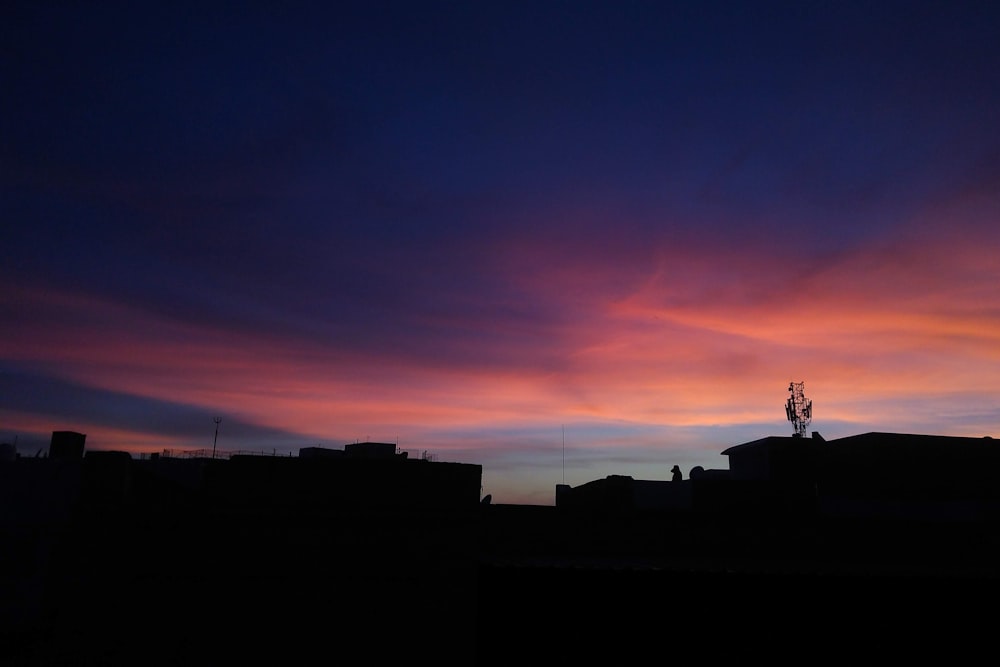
798, 408
564, 454
217, 420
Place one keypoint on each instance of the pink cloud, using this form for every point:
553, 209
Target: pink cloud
664, 337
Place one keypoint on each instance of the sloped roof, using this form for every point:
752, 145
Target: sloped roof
761, 443
914, 442
915, 439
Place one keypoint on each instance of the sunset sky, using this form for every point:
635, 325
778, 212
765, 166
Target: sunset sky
562, 240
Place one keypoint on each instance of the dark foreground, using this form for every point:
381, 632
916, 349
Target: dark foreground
499, 585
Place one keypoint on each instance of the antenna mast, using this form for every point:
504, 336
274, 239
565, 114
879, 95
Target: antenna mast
217, 420
798, 409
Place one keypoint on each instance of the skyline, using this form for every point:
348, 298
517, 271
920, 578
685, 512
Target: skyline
486, 230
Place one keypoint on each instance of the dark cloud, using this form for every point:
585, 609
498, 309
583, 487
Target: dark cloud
66, 404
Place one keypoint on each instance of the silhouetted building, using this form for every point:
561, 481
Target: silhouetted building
699, 473
358, 450
879, 474
623, 493
772, 459
320, 453
67, 445
867, 475
373, 450
277, 552
365, 478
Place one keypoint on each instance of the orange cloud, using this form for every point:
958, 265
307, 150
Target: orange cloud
673, 340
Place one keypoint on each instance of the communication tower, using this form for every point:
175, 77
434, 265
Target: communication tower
798, 408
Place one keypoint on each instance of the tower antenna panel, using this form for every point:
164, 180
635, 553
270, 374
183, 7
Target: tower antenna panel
798, 409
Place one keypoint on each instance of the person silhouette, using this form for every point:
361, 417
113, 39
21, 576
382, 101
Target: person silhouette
677, 474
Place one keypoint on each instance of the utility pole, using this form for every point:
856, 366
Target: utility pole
217, 420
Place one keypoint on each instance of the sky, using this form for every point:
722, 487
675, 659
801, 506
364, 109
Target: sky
561, 240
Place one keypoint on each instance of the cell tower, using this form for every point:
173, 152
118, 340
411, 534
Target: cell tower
798, 408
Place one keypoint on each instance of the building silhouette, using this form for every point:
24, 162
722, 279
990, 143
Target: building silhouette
855, 546
67, 445
113, 560
867, 475
880, 546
